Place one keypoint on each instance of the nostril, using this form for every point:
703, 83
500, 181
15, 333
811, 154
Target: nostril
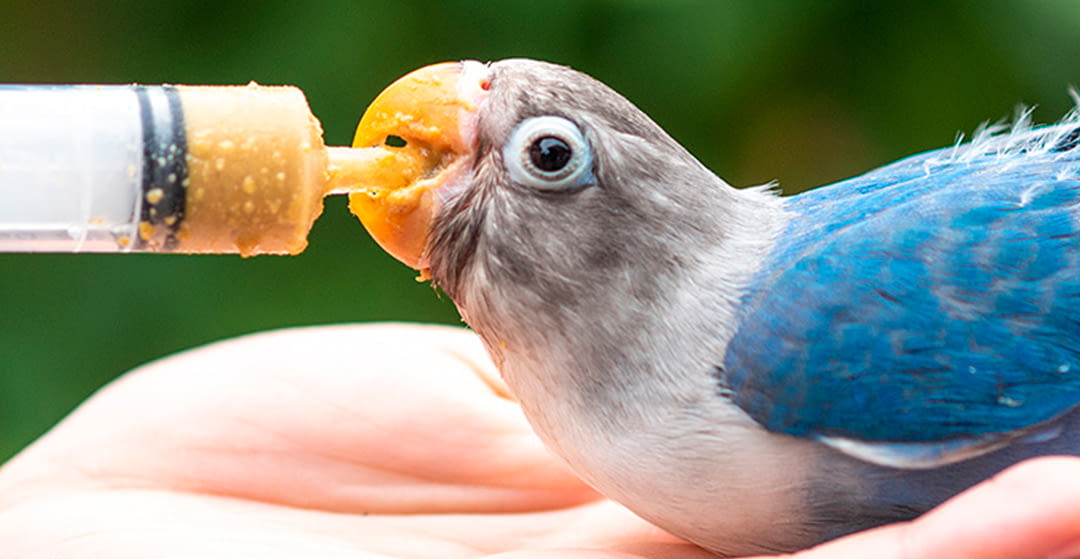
396, 141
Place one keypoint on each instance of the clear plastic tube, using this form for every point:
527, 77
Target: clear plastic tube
70, 168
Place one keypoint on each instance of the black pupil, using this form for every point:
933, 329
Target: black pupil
550, 154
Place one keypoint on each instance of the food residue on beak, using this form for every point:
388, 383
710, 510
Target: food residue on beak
417, 132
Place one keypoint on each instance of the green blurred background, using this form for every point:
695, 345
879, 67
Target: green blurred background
805, 93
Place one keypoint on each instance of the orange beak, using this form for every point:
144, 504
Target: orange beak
423, 125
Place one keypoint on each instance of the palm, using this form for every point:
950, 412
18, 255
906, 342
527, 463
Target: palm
391, 441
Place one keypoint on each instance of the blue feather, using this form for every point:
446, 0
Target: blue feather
930, 302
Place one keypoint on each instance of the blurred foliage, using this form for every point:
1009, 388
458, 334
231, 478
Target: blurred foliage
804, 93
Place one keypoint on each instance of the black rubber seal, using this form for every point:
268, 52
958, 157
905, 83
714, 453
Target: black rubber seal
164, 172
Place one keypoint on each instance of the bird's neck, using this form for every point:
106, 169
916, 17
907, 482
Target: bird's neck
618, 385
646, 335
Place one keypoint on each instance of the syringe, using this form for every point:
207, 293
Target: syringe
187, 169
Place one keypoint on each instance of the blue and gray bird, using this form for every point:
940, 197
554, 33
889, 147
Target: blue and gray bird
752, 372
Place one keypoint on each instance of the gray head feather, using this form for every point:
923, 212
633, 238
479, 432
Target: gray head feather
648, 201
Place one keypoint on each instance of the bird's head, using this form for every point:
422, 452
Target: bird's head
530, 181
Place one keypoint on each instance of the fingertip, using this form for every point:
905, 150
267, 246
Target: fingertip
1059, 472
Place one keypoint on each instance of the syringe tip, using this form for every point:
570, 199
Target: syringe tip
351, 169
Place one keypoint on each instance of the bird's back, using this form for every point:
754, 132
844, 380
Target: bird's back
921, 321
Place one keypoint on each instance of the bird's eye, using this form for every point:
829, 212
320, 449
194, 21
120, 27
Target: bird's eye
548, 153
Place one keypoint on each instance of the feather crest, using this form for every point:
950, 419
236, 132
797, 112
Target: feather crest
1003, 141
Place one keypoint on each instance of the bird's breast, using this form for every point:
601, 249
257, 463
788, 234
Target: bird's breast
697, 467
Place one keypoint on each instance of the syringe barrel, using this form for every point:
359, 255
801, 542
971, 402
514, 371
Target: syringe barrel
122, 168
71, 168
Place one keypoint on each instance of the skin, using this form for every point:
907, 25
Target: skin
391, 441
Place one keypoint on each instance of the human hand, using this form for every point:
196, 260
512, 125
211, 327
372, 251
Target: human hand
390, 441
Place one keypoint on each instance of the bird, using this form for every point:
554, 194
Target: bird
749, 371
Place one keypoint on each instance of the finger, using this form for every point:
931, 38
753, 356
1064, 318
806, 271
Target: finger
350, 418
1030, 511
132, 523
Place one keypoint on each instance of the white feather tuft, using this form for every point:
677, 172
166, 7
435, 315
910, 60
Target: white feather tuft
1004, 141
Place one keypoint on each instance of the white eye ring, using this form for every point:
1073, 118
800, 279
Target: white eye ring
548, 153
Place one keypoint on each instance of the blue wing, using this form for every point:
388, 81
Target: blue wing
926, 311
